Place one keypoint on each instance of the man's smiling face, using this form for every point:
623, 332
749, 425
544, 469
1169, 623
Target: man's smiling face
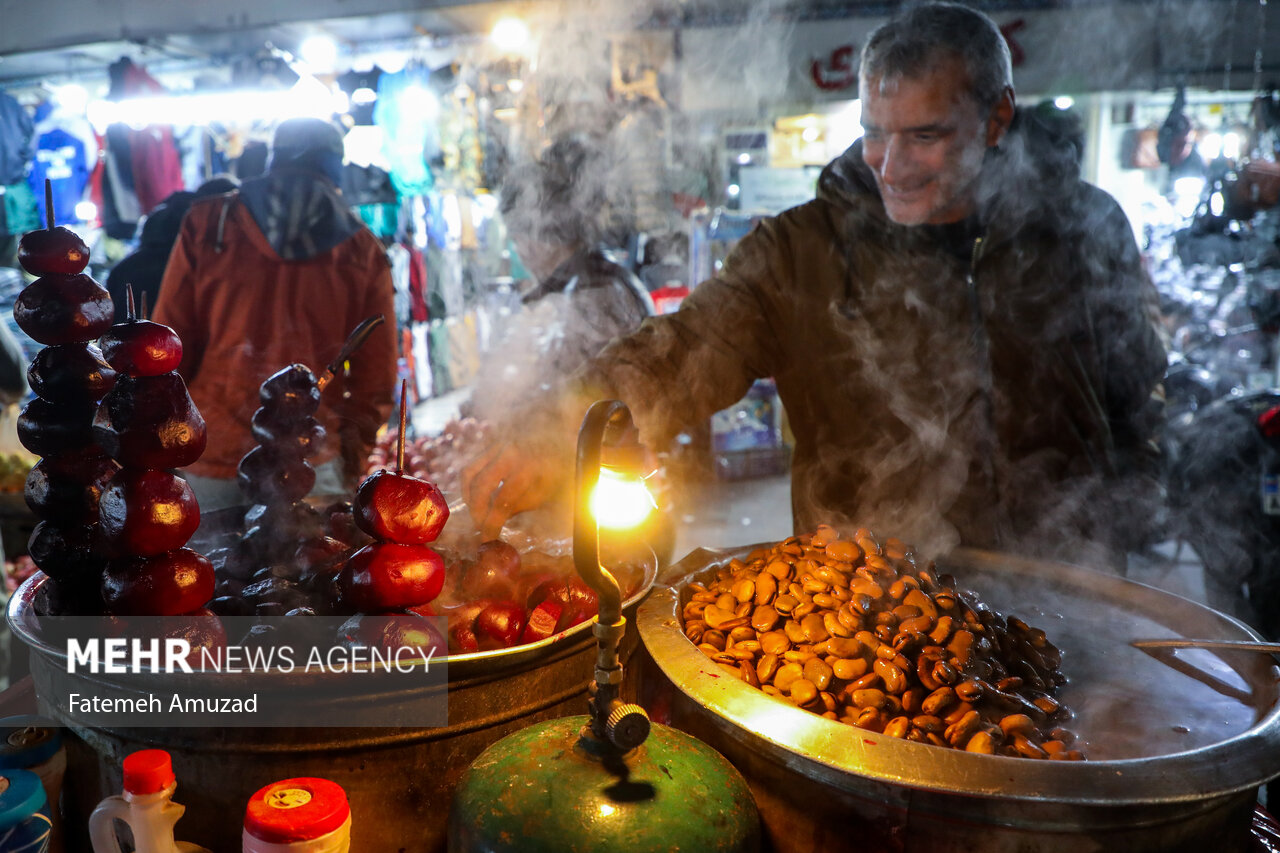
925, 139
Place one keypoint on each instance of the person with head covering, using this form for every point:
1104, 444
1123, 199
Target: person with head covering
580, 299
143, 268
964, 341
276, 273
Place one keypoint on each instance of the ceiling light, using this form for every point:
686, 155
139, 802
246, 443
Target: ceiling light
320, 52
510, 35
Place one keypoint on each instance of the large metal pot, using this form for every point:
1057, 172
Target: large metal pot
1178, 744
399, 780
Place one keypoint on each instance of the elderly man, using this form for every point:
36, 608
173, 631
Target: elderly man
277, 273
959, 327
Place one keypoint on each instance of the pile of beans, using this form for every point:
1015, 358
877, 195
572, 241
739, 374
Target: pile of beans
867, 634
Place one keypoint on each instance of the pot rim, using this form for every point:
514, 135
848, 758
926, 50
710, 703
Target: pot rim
831, 749
24, 623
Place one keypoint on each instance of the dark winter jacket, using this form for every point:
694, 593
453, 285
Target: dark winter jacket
144, 268
994, 383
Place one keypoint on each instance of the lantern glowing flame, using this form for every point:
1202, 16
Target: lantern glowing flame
620, 501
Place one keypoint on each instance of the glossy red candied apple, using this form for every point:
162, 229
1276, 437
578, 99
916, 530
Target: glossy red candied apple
392, 631
500, 625
67, 487
143, 511
578, 602
291, 392
142, 348
53, 251
202, 629
398, 508
178, 581
71, 373
542, 623
150, 422
389, 576
64, 310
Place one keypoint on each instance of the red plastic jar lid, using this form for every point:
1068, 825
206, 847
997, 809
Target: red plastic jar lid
299, 809
148, 771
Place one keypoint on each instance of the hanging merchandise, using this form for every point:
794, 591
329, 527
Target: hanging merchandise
399, 258
418, 312
362, 88
66, 155
142, 166
16, 133
407, 111
19, 208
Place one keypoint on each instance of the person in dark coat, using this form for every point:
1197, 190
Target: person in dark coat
144, 268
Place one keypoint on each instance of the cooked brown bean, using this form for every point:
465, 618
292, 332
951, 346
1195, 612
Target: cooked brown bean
895, 681
897, 727
765, 618
843, 550
814, 628
849, 669
939, 701
803, 691
766, 667
959, 732
774, 642
845, 647
766, 588
785, 603
823, 601
795, 633
818, 672
981, 742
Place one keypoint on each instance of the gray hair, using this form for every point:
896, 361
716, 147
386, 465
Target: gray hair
920, 36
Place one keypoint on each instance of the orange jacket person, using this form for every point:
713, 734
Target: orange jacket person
276, 273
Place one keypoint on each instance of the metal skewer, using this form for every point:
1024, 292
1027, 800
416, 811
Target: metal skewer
1236, 645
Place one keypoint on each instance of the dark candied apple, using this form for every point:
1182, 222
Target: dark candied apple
150, 422
499, 625
64, 309
47, 428
291, 392
53, 251
71, 373
144, 511
486, 580
142, 348
391, 632
399, 508
201, 628
388, 576
66, 487
294, 521
303, 436
167, 584
267, 476
65, 552
322, 556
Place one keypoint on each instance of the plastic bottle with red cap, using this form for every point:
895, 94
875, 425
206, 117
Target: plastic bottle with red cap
303, 815
146, 806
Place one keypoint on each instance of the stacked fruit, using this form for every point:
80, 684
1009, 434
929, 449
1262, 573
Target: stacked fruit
148, 424
439, 458
397, 572
65, 310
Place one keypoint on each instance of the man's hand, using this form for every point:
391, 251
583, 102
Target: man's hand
505, 480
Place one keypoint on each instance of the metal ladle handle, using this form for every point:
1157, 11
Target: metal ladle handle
358, 336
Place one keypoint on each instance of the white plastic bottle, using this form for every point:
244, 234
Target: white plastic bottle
303, 815
146, 806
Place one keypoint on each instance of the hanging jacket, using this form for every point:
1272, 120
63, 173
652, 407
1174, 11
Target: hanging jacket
994, 383
16, 131
243, 312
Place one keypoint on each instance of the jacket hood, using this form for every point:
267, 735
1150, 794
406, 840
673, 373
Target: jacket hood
300, 214
1037, 159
